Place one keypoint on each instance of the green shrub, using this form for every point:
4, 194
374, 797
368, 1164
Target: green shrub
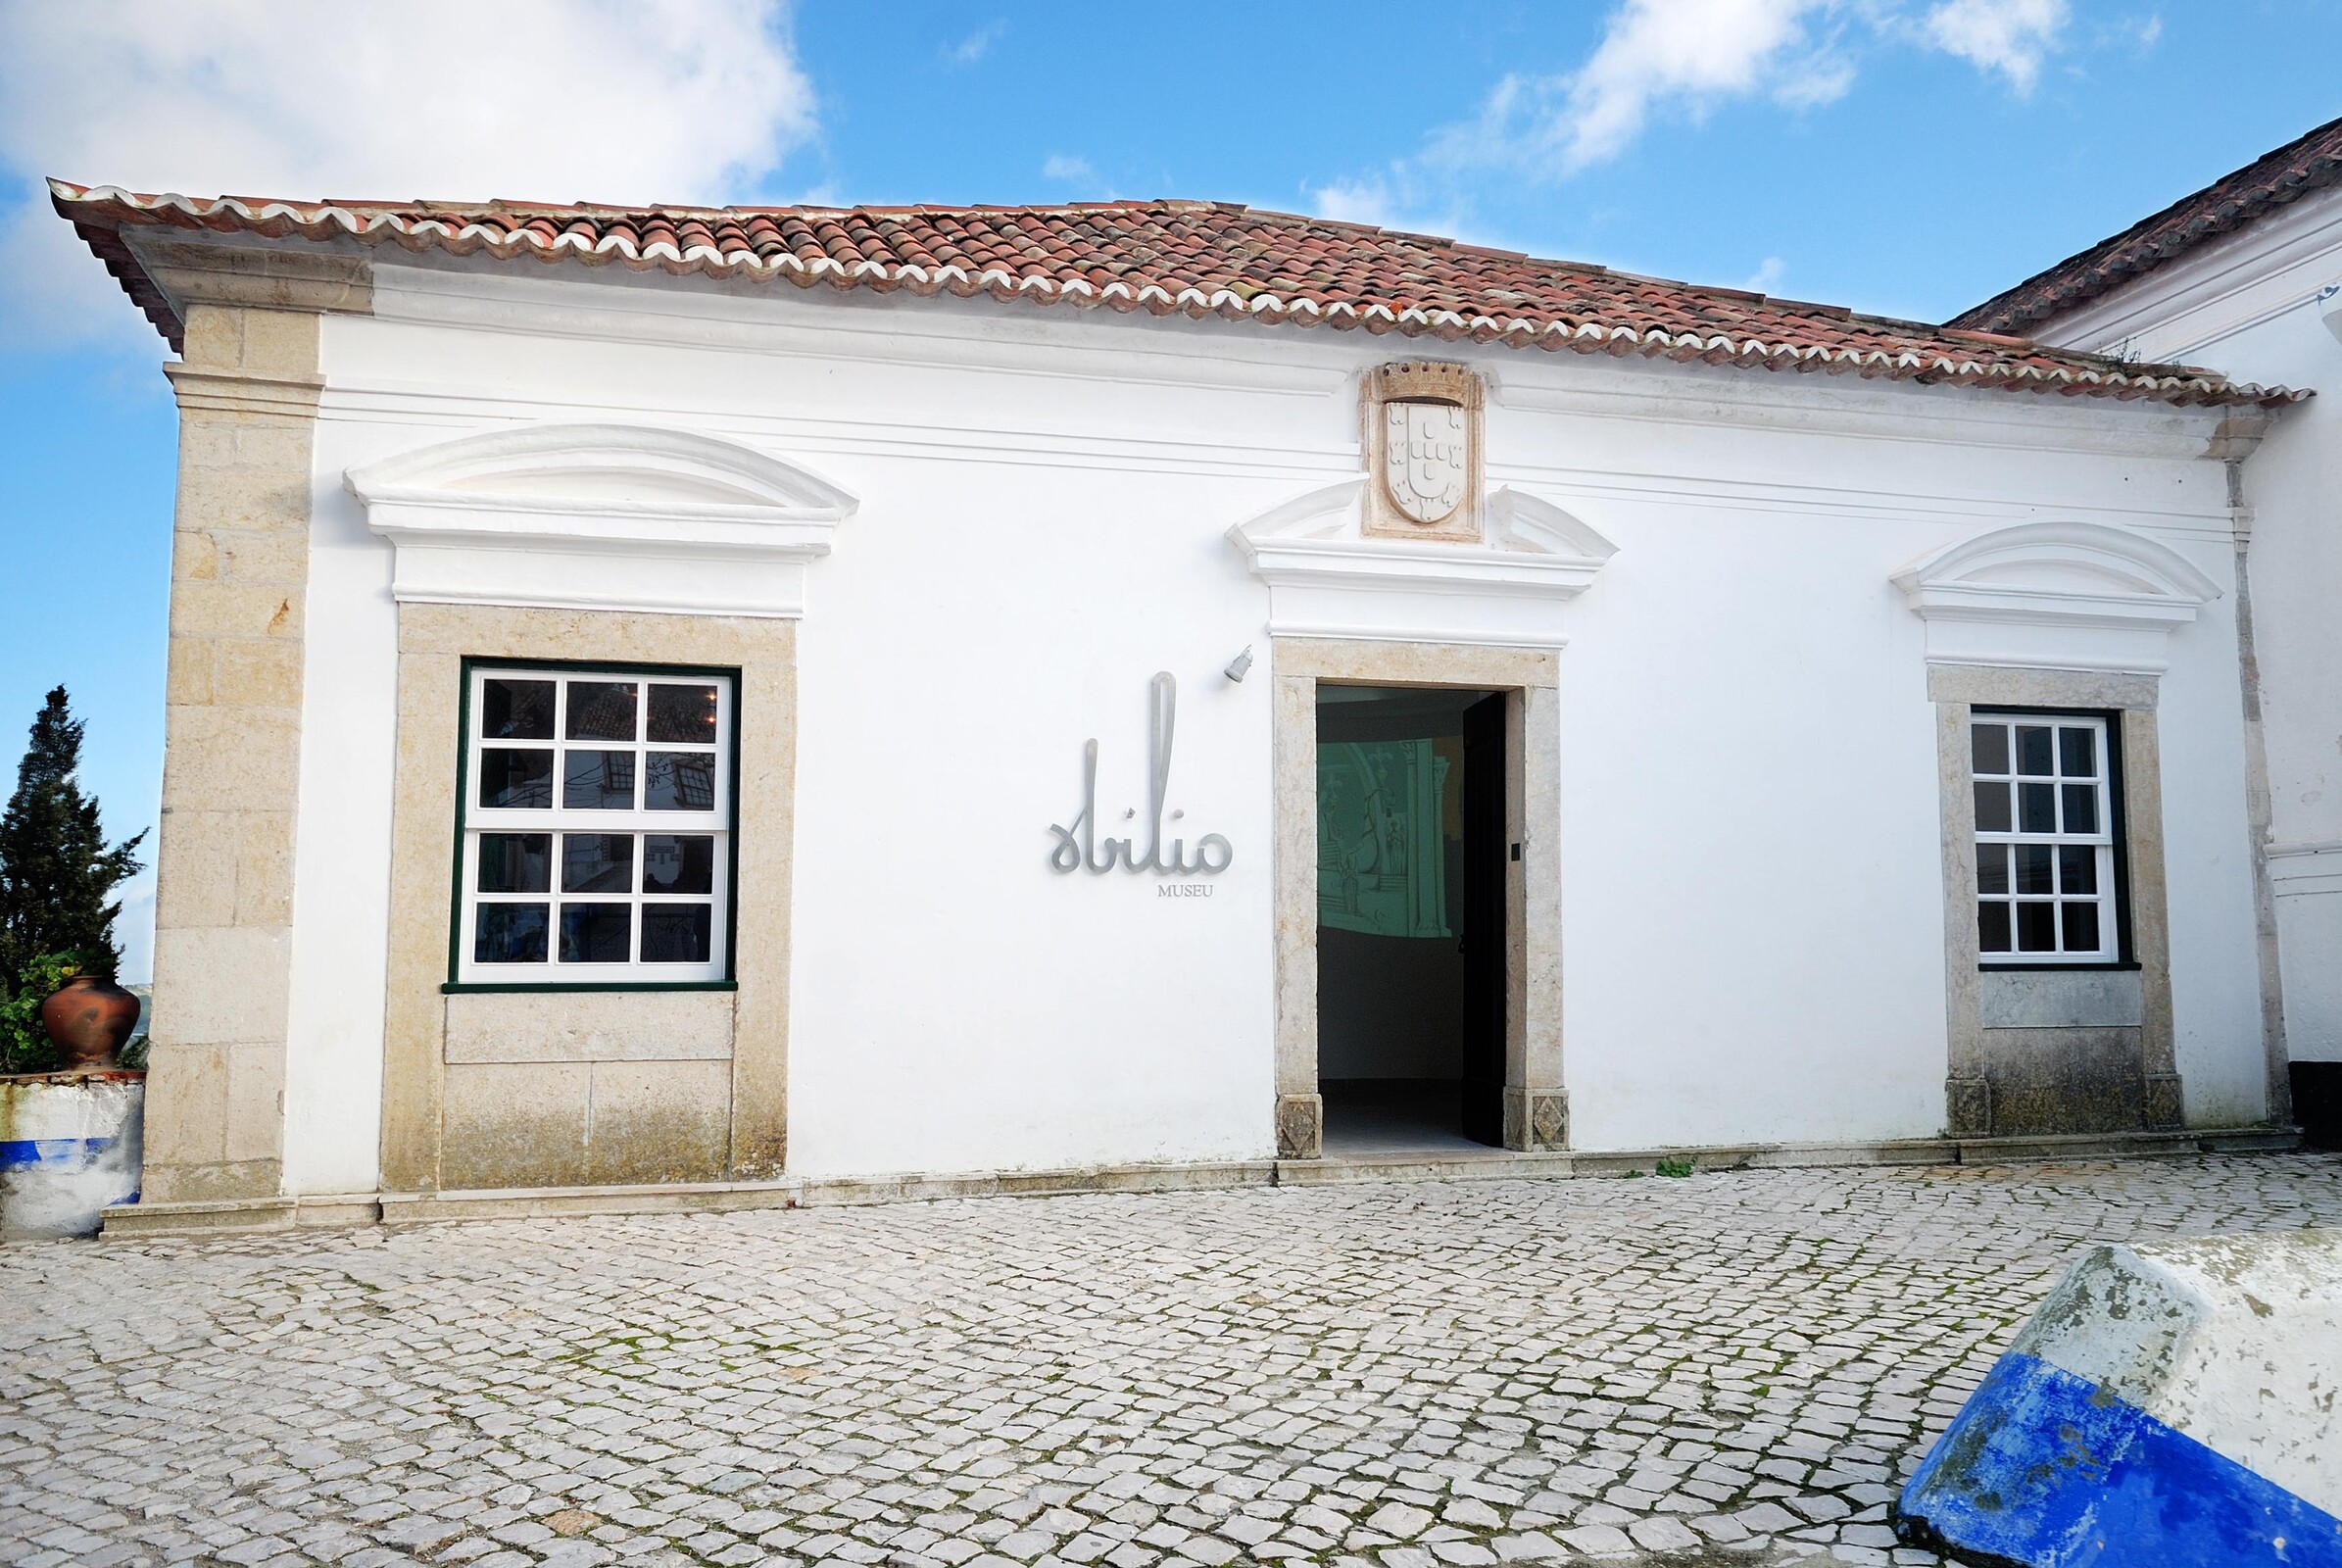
25, 1045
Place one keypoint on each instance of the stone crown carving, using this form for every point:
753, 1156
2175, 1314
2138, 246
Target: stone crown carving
1420, 429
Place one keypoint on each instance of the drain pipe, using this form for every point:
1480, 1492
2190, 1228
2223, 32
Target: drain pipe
2232, 444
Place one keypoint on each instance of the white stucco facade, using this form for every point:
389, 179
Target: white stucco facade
1751, 810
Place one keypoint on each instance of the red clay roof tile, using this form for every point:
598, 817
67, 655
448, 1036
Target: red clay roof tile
1197, 259
2310, 162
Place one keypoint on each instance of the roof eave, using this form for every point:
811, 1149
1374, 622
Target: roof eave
101, 212
106, 242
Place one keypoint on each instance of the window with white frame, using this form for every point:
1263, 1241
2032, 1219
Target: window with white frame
2045, 838
597, 827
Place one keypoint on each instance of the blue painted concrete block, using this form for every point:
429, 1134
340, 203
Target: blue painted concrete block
2049, 1470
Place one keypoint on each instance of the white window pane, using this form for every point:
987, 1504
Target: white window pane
596, 863
678, 862
510, 933
1988, 744
600, 710
2077, 751
597, 933
679, 781
684, 714
2033, 751
598, 782
512, 779
516, 710
677, 933
515, 862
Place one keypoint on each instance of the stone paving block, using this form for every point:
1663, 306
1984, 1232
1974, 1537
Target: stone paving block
1399, 1376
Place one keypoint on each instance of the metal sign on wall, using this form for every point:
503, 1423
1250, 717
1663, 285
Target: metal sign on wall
1078, 848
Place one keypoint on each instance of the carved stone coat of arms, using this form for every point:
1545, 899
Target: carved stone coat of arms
1426, 465
1422, 428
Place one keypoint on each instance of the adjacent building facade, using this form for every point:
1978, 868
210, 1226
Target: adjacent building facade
739, 706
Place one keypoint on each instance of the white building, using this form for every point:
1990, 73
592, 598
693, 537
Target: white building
796, 704
2247, 274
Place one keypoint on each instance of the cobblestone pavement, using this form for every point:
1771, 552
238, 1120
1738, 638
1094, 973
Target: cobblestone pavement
1736, 1367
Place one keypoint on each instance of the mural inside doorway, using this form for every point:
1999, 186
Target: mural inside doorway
1384, 826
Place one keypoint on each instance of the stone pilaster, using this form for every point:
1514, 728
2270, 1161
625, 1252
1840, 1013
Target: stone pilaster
248, 389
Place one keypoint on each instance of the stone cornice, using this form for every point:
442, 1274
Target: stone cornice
218, 390
189, 273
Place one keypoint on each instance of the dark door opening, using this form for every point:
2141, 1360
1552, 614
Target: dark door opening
1484, 934
1411, 902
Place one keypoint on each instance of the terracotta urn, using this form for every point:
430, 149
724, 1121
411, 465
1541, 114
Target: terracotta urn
90, 1019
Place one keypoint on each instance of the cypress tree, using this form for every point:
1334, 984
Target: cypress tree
56, 873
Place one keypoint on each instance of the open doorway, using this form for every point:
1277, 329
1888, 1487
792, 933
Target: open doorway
1411, 914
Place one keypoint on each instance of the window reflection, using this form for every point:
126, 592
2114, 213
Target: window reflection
598, 782
600, 710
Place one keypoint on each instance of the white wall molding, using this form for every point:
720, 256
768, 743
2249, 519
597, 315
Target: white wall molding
2296, 869
1016, 339
601, 516
357, 401
2055, 595
1326, 579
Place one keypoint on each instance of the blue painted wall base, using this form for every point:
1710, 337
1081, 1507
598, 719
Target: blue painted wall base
2041, 1469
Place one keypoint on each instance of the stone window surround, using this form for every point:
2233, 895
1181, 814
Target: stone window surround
1957, 690
736, 1085
1536, 1100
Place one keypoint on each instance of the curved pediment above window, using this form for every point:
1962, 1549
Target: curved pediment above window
2070, 594
589, 516
1328, 577
2068, 572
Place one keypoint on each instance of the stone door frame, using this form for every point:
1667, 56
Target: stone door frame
1535, 1101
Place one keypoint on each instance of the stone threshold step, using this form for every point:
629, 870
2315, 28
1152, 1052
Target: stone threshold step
1391, 1165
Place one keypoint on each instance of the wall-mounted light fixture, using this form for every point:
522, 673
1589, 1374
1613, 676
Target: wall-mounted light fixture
2330, 305
1240, 663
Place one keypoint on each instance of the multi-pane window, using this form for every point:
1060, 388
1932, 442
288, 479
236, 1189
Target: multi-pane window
2045, 838
597, 827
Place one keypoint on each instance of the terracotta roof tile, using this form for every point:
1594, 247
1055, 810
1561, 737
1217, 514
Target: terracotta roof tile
1197, 259
2312, 163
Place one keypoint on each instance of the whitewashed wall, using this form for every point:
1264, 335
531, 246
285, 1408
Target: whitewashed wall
2250, 307
1753, 916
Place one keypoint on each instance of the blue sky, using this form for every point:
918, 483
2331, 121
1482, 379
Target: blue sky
1908, 156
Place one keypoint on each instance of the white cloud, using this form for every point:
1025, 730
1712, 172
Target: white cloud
1768, 273
1691, 53
976, 45
1059, 166
549, 100
2009, 36
1682, 59
1366, 201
